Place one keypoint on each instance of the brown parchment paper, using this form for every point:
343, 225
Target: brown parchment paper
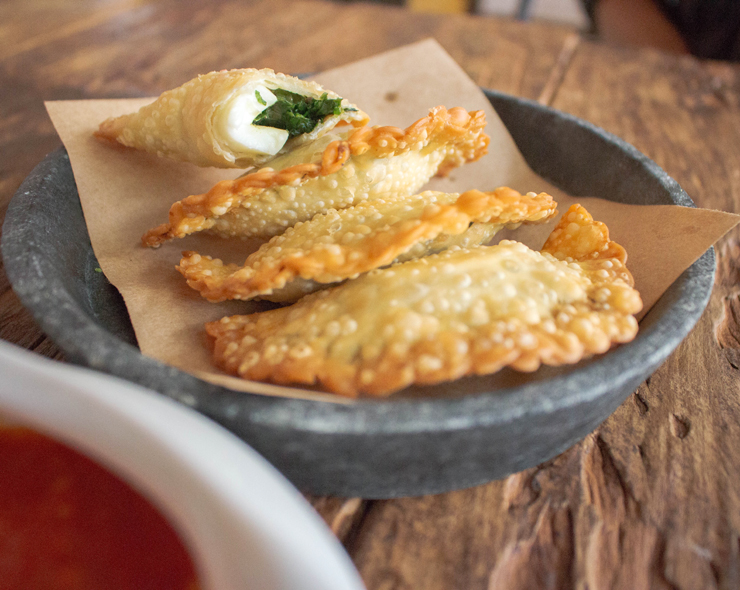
124, 193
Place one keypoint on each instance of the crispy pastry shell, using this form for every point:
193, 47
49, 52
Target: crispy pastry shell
462, 312
180, 124
342, 244
368, 163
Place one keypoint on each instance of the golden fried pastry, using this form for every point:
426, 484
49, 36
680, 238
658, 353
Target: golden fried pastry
332, 172
233, 119
461, 312
341, 244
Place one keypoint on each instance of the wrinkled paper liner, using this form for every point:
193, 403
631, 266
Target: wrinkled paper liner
125, 192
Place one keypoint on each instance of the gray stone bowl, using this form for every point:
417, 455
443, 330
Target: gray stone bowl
423, 440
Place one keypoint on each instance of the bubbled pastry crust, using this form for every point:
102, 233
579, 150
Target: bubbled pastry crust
364, 164
180, 123
461, 312
341, 244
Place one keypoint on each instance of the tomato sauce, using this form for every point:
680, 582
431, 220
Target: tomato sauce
68, 524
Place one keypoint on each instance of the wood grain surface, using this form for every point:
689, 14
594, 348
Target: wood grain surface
649, 500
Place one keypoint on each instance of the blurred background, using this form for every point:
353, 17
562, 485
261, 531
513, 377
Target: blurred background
705, 28
567, 12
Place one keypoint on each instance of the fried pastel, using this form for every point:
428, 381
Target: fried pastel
212, 120
461, 312
332, 172
341, 244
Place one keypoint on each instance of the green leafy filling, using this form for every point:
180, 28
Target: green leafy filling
297, 113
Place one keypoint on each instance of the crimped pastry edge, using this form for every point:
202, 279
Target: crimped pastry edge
198, 212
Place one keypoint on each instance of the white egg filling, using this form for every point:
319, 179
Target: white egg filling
234, 123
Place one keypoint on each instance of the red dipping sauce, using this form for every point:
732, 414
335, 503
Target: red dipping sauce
68, 524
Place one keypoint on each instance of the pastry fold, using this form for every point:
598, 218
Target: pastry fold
461, 312
332, 172
343, 244
208, 120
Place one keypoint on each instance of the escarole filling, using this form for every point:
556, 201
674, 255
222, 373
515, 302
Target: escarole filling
259, 120
295, 113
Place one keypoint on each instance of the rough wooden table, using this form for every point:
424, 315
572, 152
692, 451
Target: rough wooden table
649, 500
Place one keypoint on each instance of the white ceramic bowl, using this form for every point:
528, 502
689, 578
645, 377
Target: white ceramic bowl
245, 525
